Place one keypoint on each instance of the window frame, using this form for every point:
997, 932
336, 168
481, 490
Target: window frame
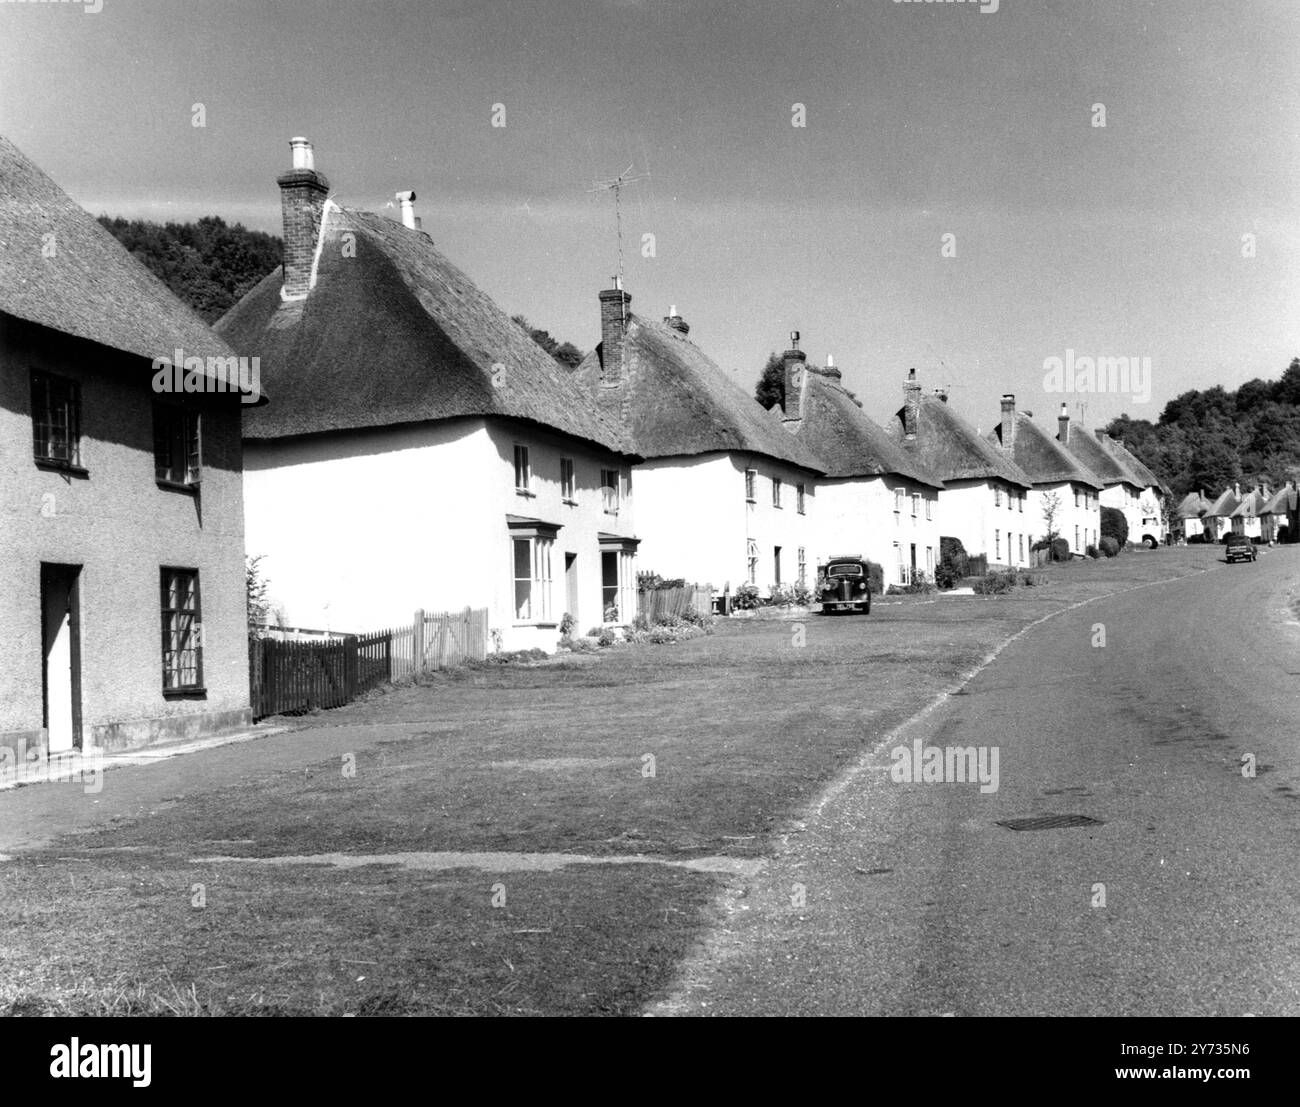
184, 427
776, 492
193, 633
43, 420
524, 468
610, 481
751, 486
568, 482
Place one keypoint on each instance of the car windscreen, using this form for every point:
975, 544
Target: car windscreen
844, 569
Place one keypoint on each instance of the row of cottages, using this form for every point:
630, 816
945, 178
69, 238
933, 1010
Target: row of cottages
122, 605
1127, 484
1280, 516
874, 500
1062, 484
985, 501
724, 494
1258, 513
422, 449
1188, 518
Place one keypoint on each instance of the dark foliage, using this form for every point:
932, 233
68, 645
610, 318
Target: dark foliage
566, 353
1208, 439
1114, 525
208, 264
771, 382
1109, 546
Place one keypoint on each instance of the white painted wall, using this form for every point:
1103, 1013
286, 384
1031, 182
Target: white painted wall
1078, 519
989, 521
1141, 509
359, 530
861, 515
696, 522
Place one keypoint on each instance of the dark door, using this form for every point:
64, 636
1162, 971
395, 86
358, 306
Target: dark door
571, 584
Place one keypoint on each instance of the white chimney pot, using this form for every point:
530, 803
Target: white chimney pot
302, 155
407, 200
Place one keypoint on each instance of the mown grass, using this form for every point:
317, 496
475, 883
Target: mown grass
744, 728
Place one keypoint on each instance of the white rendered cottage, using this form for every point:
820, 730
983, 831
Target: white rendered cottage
1060, 479
425, 453
874, 501
985, 497
724, 495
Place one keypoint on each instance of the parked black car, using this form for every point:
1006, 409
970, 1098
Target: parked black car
844, 585
1238, 547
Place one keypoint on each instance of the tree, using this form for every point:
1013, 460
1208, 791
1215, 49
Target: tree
1051, 510
566, 353
1114, 525
255, 586
771, 382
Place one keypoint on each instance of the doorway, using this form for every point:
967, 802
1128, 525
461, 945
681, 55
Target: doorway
61, 656
571, 585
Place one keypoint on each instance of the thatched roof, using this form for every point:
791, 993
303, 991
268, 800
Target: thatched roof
397, 334
88, 285
1226, 504
1193, 506
1283, 501
1103, 463
845, 439
1041, 457
1133, 463
950, 448
676, 401
1250, 505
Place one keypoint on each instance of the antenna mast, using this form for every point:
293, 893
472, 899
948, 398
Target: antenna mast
616, 186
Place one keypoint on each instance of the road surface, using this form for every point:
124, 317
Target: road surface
1182, 899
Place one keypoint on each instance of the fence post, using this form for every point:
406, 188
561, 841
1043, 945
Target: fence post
417, 641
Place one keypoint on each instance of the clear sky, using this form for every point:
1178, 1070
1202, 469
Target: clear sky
922, 120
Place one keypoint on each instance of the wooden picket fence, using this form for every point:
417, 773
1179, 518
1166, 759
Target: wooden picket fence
293, 677
675, 601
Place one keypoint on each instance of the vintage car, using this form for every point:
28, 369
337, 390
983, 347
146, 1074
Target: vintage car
1238, 547
843, 584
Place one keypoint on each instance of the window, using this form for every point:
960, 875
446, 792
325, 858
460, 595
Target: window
1076, 537
929, 507
175, 445
751, 554
776, 564
803, 563
1022, 547
916, 504
898, 501
1021, 498
1078, 496
776, 491
56, 420
532, 560
929, 559
997, 545
567, 489
997, 495
609, 490
902, 565
751, 478
523, 472
182, 631
799, 500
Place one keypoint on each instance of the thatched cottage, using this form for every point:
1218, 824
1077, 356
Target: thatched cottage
121, 518
1058, 477
1127, 483
874, 500
985, 497
423, 452
724, 495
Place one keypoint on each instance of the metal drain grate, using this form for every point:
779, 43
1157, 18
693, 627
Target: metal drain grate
1049, 822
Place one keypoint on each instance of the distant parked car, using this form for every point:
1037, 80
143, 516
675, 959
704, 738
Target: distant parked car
1239, 547
844, 585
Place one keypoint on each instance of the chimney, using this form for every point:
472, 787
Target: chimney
1008, 422
407, 200
795, 361
676, 321
302, 202
1236, 489
829, 370
911, 406
1063, 423
941, 394
613, 328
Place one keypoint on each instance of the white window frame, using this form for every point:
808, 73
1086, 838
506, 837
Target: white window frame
610, 480
523, 471
803, 563
751, 485
751, 555
929, 508
997, 545
568, 483
776, 493
799, 500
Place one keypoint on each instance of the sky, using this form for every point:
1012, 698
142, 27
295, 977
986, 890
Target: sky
948, 204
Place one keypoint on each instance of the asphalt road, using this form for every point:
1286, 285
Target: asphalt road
910, 899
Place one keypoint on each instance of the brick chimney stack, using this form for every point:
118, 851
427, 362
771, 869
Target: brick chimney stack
1063, 424
614, 315
911, 406
676, 321
795, 362
1008, 422
302, 204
